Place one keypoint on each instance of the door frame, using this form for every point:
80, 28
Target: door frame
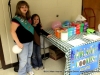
3, 64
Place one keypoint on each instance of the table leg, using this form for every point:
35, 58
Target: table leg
44, 57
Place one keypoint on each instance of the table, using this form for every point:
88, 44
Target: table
67, 49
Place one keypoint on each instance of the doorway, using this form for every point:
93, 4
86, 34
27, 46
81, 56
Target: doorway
0, 63
95, 5
0, 54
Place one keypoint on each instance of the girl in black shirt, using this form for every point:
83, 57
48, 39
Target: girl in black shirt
22, 33
36, 56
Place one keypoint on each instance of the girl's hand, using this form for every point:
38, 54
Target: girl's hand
20, 45
49, 35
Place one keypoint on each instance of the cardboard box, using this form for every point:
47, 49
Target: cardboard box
55, 53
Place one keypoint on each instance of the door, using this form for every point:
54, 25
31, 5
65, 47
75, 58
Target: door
95, 5
0, 63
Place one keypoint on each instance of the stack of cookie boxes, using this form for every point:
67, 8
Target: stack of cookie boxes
72, 29
79, 27
58, 32
85, 26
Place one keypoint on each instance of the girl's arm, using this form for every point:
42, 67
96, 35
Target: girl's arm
45, 33
14, 26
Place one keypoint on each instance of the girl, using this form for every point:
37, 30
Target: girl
36, 56
22, 33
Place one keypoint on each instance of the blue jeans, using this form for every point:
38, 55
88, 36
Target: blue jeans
36, 56
25, 58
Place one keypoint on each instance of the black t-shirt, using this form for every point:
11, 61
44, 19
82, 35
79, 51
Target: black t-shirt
23, 35
40, 31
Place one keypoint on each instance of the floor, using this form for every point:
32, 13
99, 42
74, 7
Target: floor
50, 65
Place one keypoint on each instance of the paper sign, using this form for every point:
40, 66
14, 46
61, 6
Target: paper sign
76, 42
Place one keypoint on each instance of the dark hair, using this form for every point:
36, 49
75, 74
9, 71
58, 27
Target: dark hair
18, 12
33, 16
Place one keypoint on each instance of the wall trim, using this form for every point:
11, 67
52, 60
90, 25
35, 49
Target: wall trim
4, 66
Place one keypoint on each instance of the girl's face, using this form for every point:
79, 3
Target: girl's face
36, 20
24, 9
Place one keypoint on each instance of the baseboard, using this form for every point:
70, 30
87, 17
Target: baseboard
14, 64
9, 65
3, 64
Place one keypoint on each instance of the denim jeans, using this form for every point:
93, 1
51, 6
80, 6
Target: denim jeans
36, 56
25, 58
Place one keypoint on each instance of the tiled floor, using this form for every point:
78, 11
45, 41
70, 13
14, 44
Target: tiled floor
50, 65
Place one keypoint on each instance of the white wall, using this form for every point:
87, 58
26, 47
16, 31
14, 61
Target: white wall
7, 41
47, 9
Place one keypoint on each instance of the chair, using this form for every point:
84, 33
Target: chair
89, 13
